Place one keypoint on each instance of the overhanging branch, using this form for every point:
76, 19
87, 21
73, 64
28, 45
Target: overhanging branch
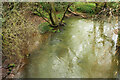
65, 12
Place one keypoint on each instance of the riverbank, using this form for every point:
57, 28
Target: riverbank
12, 64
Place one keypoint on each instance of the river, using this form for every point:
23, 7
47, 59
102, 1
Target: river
85, 48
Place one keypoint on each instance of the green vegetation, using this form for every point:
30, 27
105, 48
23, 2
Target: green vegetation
49, 13
11, 65
22, 22
45, 27
16, 34
118, 38
85, 7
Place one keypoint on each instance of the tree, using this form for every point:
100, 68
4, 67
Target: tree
51, 16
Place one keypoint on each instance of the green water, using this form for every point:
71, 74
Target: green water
83, 49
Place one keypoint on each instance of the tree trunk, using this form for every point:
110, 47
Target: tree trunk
54, 13
51, 18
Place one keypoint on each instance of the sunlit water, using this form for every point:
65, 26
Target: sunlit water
83, 49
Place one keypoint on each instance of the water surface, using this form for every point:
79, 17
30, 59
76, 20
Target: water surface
83, 49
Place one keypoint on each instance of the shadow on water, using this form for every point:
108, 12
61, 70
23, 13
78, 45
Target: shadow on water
84, 49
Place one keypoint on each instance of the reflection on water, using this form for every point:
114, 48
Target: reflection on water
84, 49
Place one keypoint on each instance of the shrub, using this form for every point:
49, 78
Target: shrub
44, 27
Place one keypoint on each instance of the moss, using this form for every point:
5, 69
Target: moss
43, 27
85, 7
17, 33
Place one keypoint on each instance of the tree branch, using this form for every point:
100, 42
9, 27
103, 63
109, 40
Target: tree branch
65, 12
